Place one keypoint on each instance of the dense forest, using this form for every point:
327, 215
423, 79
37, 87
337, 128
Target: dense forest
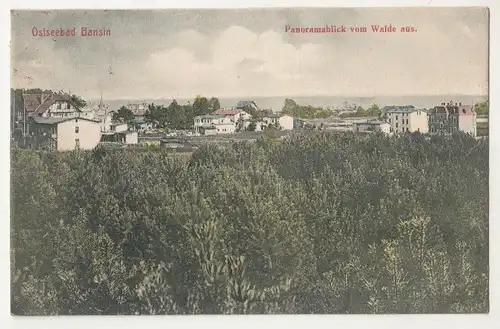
319, 223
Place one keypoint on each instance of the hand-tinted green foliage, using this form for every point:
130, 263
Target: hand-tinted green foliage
175, 116
373, 111
291, 108
482, 108
318, 223
123, 115
257, 114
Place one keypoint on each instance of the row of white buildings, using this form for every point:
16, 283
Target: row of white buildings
445, 118
53, 121
230, 120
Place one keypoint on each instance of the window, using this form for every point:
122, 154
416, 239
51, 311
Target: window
77, 130
396, 118
396, 124
406, 121
58, 105
77, 143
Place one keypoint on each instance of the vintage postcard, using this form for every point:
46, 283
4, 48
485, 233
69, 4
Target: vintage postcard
249, 161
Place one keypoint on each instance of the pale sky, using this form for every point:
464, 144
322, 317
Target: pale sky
233, 53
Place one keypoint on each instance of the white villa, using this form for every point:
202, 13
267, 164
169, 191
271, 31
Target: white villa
406, 119
60, 106
139, 110
63, 134
233, 114
56, 123
214, 125
281, 121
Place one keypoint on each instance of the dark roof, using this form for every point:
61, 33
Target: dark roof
389, 107
49, 121
51, 99
452, 109
399, 109
55, 121
31, 101
438, 109
209, 116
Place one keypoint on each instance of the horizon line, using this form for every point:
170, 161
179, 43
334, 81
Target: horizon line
292, 96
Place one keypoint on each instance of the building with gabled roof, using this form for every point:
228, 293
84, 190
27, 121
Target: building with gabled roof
232, 113
279, 120
32, 101
214, 124
139, 110
56, 105
450, 117
62, 134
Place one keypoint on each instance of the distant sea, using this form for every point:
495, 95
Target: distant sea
276, 103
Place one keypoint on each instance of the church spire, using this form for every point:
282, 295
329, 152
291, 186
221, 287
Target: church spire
100, 102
